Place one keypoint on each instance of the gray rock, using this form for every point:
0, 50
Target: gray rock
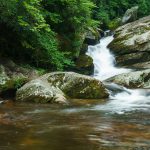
130, 15
131, 43
92, 36
40, 91
58, 86
136, 79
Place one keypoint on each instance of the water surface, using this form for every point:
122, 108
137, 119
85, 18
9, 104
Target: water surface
51, 127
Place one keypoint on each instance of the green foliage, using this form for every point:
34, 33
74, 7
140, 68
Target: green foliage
70, 19
144, 7
108, 10
8, 10
18, 82
35, 41
115, 23
42, 39
41, 71
47, 33
13, 83
50, 33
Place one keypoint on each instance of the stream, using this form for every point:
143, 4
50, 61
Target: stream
121, 122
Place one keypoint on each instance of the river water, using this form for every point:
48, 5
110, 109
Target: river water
121, 122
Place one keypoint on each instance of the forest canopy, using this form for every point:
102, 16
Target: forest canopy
50, 33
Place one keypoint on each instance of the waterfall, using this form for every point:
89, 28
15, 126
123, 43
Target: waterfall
104, 60
104, 68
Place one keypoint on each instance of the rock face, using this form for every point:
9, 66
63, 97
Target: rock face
92, 36
84, 65
130, 15
58, 86
13, 76
136, 79
131, 44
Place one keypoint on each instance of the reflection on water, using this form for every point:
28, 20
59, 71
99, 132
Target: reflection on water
45, 127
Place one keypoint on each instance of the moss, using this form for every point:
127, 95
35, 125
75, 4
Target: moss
86, 89
13, 84
18, 82
41, 71
84, 61
114, 24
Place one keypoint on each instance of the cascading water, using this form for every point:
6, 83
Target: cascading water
104, 61
104, 68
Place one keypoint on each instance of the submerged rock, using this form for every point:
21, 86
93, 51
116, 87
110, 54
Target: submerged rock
131, 43
58, 86
136, 79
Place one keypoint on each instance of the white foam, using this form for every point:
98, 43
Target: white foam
104, 60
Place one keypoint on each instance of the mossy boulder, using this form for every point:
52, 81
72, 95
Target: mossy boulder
40, 91
84, 65
131, 43
136, 79
59, 86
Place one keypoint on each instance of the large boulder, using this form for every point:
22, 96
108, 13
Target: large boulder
130, 15
40, 91
58, 86
131, 44
136, 79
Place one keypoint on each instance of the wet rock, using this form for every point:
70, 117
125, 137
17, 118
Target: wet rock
92, 36
115, 88
130, 15
131, 43
144, 65
84, 65
58, 86
108, 33
136, 79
